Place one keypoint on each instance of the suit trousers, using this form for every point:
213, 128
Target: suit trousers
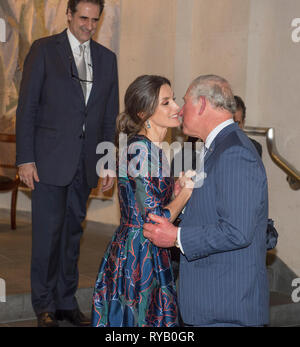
57, 214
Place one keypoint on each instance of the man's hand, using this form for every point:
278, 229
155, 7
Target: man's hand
107, 183
162, 234
107, 179
28, 174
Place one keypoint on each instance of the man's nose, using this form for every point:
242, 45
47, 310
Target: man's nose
89, 25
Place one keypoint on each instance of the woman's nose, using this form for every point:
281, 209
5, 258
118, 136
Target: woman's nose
180, 113
177, 108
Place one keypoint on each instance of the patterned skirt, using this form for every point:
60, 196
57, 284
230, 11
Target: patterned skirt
135, 285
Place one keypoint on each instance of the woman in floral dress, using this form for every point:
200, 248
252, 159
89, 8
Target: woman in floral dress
135, 285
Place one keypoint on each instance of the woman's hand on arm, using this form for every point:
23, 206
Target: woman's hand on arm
184, 181
183, 190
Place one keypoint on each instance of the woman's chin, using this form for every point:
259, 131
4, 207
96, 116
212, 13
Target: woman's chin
175, 123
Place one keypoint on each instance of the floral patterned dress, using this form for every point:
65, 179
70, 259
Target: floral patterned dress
135, 285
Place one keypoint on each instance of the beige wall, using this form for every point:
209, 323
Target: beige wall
272, 95
220, 40
249, 43
246, 41
147, 40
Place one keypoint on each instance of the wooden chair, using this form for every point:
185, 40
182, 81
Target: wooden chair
8, 183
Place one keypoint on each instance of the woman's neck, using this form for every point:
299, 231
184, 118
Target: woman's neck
154, 134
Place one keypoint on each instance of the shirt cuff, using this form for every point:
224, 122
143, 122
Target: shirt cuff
31, 162
107, 172
178, 240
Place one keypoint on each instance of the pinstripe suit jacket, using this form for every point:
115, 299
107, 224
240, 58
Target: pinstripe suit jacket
223, 278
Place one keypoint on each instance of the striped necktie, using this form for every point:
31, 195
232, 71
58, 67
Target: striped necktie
82, 73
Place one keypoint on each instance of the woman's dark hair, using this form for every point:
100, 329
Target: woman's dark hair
141, 101
72, 5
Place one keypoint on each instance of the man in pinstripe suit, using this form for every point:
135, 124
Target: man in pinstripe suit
222, 236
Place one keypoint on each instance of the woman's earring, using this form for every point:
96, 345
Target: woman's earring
148, 125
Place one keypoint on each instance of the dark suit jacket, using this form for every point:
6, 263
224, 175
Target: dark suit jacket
223, 276
51, 110
257, 146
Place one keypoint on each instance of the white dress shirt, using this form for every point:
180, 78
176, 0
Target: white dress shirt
211, 136
74, 43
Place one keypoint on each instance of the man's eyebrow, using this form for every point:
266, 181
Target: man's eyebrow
85, 17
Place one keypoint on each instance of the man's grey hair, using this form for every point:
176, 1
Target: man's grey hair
216, 89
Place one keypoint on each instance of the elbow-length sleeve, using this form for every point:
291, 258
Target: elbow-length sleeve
149, 199
150, 187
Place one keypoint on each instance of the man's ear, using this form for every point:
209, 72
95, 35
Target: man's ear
202, 100
69, 14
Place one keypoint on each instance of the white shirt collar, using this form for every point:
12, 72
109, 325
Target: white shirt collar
213, 134
74, 43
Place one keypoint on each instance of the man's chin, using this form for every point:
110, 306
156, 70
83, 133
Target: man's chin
86, 37
185, 130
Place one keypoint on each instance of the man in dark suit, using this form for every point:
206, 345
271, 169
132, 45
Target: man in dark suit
240, 118
222, 236
68, 104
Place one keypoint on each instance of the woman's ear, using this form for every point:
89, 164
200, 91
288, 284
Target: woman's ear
141, 115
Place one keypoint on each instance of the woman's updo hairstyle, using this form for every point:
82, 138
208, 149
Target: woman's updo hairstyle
141, 100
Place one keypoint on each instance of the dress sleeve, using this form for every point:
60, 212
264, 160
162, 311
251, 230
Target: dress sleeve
149, 199
149, 187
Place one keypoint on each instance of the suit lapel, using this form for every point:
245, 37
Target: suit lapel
66, 54
209, 151
96, 64
218, 140
212, 149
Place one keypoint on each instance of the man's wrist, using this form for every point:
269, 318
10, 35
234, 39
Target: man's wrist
108, 172
177, 242
31, 162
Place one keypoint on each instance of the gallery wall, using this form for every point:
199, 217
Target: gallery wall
252, 43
